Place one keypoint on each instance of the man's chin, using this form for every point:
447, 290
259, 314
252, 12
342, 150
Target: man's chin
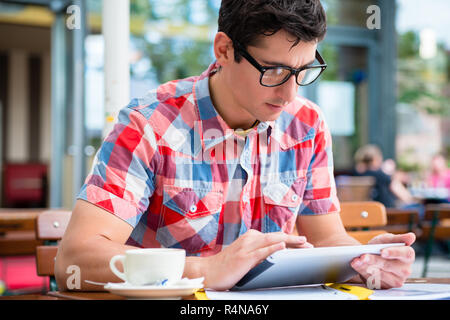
270, 117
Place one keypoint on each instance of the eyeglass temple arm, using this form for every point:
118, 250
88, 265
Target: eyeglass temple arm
319, 58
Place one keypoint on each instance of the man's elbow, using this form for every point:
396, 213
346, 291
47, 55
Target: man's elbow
64, 271
60, 274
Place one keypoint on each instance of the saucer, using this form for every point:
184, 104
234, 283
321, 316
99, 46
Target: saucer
175, 291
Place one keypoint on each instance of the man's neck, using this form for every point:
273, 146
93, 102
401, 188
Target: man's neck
223, 102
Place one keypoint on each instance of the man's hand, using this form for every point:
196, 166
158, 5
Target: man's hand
223, 270
392, 267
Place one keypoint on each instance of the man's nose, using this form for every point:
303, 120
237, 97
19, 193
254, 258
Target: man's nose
288, 90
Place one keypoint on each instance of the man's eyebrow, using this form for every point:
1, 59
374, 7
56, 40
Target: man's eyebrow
278, 64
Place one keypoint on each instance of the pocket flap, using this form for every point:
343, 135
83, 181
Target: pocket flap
192, 202
284, 193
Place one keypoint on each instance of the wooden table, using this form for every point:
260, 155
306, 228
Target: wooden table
56, 295
18, 219
17, 231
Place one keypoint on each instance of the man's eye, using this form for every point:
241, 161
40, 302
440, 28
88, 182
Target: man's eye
279, 71
276, 72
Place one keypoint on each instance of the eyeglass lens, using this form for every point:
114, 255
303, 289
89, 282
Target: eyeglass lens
277, 76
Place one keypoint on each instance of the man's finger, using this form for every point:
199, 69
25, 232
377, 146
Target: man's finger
404, 254
305, 245
263, 253
375, 277
382, 280
275, 237
406, 238
396, 267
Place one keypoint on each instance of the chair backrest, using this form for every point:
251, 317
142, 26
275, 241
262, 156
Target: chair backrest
354, 188
50, 227
363, 214
442, 210
436, 224
52, 224
359, 219
402, 221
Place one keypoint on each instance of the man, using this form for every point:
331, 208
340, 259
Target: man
224, 165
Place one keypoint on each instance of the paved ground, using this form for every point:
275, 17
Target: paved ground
438, 265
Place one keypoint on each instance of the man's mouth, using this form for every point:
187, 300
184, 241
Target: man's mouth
274, 106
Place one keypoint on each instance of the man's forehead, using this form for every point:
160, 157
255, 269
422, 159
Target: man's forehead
278, 49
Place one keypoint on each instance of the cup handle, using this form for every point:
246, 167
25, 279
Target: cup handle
112, 265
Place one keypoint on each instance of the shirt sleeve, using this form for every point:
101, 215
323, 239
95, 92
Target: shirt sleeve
122, 178
320, 195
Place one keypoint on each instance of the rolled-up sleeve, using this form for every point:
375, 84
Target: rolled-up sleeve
122, 178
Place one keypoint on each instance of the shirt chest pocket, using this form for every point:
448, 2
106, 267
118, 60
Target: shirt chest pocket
189, 218
282, 200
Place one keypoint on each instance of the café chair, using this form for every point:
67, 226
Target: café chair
401, 221
17, 245
435, 226
50, 228
363, 219
354, 188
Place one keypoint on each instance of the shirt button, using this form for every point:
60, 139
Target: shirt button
294, 197
193, 208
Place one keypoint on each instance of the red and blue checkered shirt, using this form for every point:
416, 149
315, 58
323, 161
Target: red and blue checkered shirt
182, 178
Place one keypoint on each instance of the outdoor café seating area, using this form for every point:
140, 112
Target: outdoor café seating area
128, 107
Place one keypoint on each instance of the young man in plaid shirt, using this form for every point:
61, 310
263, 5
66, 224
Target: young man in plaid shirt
226, 164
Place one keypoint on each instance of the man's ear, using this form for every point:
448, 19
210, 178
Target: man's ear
223, 49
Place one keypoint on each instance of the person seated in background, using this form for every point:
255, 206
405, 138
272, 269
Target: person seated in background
439, 176
389, 188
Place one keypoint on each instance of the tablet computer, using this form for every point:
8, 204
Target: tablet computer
291, 267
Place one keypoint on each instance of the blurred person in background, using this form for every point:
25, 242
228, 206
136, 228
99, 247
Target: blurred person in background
439, 176
389, 188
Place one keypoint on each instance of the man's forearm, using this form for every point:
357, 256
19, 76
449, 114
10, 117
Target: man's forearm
93, 264
343, 239
91, 260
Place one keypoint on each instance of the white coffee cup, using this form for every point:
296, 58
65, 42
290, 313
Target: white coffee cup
150, 266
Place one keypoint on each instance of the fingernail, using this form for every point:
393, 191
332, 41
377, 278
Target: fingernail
301, 239
385, 254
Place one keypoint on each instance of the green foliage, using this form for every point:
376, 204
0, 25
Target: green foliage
172, 55
141, 8
408, 45
422, 83
175, 58
330, 55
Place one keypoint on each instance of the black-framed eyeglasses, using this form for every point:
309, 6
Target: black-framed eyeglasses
277, 75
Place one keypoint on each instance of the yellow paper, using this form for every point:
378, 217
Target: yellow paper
361, 292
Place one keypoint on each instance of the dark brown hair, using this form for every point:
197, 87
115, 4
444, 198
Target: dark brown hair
245, 21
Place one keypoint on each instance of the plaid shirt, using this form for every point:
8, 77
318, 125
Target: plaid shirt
182, 178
